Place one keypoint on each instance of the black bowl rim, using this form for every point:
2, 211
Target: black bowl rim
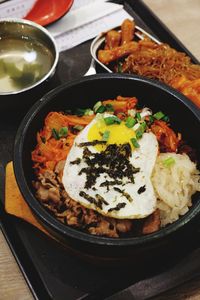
66, 231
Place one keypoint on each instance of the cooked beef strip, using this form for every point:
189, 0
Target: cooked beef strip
51, 193
152, 223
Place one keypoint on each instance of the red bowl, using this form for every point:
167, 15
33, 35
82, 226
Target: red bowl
45, 12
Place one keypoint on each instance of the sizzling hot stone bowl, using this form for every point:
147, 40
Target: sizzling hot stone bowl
85, 92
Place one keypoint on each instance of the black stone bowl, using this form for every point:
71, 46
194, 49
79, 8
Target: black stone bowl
84, 92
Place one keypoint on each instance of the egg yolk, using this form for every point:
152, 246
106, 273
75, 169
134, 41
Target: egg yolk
117, 134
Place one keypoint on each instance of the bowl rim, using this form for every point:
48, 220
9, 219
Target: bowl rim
54, 44
50, 221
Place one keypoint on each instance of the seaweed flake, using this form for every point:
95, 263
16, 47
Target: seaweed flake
128, 197
117, 207
142, 189
93, 143
112, 161
76, 161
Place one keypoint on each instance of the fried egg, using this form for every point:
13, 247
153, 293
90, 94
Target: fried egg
112, 177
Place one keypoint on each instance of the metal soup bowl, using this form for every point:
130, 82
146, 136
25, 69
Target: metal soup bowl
24, 30
85, 92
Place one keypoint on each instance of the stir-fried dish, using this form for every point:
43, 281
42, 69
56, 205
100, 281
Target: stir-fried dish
123, 53
114, 169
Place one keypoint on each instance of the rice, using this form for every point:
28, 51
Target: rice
174, 185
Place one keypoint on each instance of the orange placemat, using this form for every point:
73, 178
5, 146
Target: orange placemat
14, 201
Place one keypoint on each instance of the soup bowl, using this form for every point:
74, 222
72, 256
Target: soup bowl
28, 58
85, 92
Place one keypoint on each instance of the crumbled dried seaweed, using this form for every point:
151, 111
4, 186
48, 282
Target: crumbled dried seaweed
113, 161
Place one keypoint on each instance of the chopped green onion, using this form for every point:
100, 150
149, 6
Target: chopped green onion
63, 132
159, 115
112, 120
131, 112
88, 112
151, 119
101, 109
97, 105
143, 125
168, 161
141, 130
109, 107
165, 118
80, 112
55, 134
130, 122
106, 135
138, 116
135, 143
139, 134
78, 127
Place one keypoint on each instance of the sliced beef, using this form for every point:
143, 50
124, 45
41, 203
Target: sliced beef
50, 191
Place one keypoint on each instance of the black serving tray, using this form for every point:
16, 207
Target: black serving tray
49, 269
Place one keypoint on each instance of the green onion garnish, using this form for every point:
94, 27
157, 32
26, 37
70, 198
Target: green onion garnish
139, 134
97, 105
165, 118
138, 116
106, 135
88, 112
151, 119
143, 125
101, 109
135, 143
112, 120
141, 130
84, 112
80, 112
109, 107
55, 134
130, 122
63, 132
78, 127
159, 115
168, 161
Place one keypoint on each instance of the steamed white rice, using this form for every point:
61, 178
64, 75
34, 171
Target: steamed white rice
174, 184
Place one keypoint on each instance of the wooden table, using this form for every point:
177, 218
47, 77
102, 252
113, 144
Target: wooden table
183, 18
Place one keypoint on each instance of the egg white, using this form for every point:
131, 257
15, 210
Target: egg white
142, 204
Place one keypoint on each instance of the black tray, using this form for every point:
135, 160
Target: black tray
50, 271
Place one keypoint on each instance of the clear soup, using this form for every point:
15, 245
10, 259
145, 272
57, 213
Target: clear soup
23, 62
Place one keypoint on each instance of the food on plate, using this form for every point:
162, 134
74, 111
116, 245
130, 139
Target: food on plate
114, 169
147, 58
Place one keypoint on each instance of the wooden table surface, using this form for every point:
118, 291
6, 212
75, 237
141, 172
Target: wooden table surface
183, 18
